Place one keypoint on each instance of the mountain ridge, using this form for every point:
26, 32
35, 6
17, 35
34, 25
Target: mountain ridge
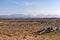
28, 16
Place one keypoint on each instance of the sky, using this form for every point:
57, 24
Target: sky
30, 7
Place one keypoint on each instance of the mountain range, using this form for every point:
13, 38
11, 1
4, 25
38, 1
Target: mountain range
28, 16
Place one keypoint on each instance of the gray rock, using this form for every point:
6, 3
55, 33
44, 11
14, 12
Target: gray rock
47, 30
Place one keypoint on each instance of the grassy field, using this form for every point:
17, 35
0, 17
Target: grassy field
22, 29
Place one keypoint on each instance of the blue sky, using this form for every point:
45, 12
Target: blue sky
33, 7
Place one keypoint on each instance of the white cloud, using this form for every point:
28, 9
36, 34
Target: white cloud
46, 12
27, 11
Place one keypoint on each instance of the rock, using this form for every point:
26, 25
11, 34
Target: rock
47, 30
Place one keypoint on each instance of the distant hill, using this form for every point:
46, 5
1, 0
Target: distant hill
16, 16
28, 16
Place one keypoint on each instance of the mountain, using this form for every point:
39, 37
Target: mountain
21, 16
28, 16
46, 16
16, 16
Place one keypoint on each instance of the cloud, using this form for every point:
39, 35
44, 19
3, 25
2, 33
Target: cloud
30, 11
46, 12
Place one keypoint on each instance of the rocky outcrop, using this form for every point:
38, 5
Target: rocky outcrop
47, 30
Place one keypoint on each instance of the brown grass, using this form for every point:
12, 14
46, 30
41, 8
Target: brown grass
22, 29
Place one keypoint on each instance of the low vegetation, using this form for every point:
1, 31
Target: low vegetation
30, 29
